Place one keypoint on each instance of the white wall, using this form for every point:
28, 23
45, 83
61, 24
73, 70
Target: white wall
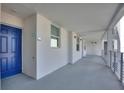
122, 34
70, 58
94, 49
29, 46
10, 19
84, 50
99, 48
49, 59
28, 42
52, 59
90, 48
104, 38
38, 58
74, 55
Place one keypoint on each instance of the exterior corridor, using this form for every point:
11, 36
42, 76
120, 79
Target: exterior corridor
89, 73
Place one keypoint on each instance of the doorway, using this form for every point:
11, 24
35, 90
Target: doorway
10, 50
105, 47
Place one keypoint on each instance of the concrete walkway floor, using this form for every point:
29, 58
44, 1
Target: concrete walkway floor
89, 73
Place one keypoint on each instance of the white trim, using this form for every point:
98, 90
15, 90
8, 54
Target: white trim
56, 25
11, 25
55, 36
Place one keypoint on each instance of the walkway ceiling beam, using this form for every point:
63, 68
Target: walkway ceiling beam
116, 17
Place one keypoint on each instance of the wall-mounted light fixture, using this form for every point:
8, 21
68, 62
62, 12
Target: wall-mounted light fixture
93, 43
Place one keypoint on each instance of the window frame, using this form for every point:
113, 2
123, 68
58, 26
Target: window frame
55, 36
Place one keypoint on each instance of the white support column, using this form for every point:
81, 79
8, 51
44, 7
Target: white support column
109, 39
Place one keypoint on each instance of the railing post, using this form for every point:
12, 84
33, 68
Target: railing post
121, 67
110, 59
114, 61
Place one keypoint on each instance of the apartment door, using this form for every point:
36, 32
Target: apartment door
10, 51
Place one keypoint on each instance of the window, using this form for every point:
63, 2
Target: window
55, 36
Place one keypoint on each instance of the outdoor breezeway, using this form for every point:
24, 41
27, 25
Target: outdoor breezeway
62, 46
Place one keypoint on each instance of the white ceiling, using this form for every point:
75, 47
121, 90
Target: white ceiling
93, 36
88, 19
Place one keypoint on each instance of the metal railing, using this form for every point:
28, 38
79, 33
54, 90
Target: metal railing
113, 61
117, 63
122, 68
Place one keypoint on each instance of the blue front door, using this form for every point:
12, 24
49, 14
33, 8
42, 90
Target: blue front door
10, 50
